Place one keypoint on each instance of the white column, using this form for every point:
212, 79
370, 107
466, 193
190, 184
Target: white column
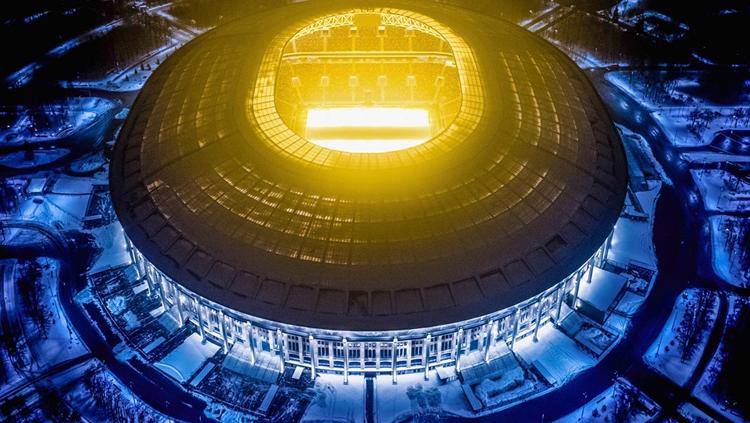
223, 331
281, 345
607, 246
313, 355
362, 355
249, 327
377, 355
457, 348
560, 296
579, 275
331, 347
516, 318
426, 355
178, 303
199, 307
491, 335
346, 361
394, 347
591, 272
538, 316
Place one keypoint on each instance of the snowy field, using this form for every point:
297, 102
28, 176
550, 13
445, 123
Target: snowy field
677, 121
666, 354
727, 250
620, 402
413, 395
336, 402
64, 118
632, 238
187, 358
703, 389
556, 356
112, 239
721, 191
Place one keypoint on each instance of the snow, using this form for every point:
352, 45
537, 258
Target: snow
702, 389
721, 191
202, 374
70, 115
335, 401
617, 323
692, 413
112, 239
187, 358
411, 396
645, 148
116, 305
632, 241
131, 320
605, 406
127, 79
665, 353
65, 211
265, 369
36, 186
629, 303
60, 343
17, 159
618, 79
711, 157
603, 289
727, 263
22, 76
556, 356
155, 343
72, 186
494, 390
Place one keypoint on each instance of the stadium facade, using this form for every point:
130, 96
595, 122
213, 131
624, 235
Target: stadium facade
252, 204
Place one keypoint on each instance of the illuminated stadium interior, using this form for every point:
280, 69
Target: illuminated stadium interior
367, 82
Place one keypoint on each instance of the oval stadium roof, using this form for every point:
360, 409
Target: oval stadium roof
414, 238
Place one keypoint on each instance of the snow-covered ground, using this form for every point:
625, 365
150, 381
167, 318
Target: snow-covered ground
112, 239
335, 401
712, 157
26, 73
621, 402
64, 206
69, 114
665, 355
134, 77
727, 249
61, 342
414, 395
556, 356
632, 238
182, 362
721, 191
99, 396
704, 388
692, 414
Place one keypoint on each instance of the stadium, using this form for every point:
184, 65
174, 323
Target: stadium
361, 187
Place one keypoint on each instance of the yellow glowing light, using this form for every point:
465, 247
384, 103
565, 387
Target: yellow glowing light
368, 129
